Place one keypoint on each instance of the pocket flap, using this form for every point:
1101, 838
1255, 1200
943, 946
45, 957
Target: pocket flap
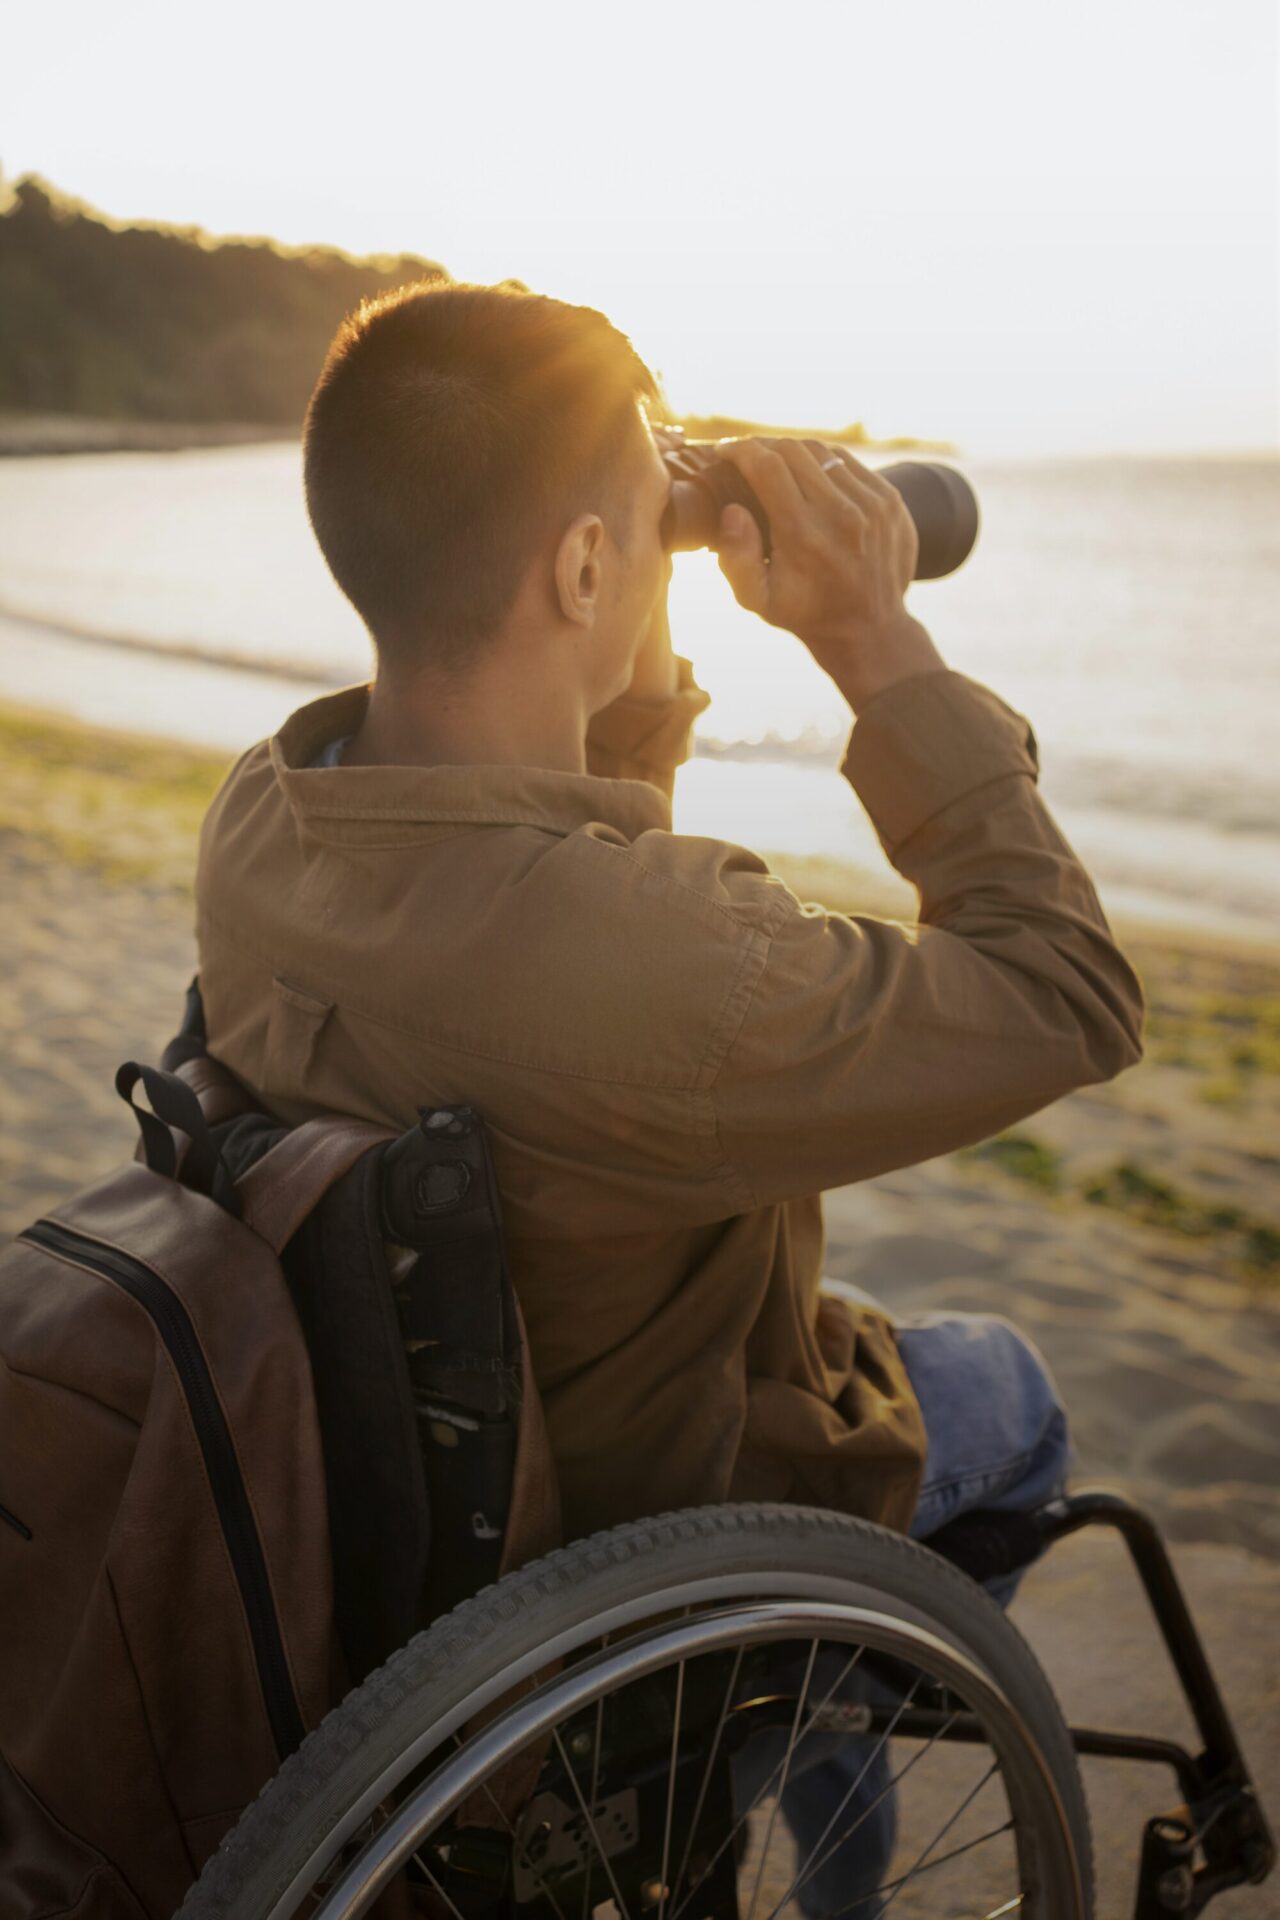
296, 1022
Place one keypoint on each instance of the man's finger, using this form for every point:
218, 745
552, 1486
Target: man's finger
805, 459
770, 479
855, 481
803, 467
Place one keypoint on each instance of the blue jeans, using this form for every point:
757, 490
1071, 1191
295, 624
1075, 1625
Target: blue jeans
997, 1438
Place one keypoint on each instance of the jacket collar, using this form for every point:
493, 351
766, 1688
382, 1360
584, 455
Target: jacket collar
481, 795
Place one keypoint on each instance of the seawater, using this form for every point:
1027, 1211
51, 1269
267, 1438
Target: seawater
1128, 607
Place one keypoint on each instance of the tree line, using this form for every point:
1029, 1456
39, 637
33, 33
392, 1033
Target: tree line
149, 323
162, 323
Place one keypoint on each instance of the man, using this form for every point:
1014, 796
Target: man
461, 884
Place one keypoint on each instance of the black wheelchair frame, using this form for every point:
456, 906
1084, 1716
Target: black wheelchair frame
1219, 1811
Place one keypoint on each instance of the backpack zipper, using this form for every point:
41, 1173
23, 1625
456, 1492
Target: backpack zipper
221, 1465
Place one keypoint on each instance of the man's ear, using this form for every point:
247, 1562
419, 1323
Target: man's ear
579, 571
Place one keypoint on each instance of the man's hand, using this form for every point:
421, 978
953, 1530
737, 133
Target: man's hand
844, 554
655, 675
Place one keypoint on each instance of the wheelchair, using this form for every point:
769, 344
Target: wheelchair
563, 1743
624, 1727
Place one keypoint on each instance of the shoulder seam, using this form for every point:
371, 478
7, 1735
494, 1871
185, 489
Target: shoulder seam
682, 886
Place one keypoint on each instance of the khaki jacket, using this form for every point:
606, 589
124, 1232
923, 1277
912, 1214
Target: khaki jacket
674, 1055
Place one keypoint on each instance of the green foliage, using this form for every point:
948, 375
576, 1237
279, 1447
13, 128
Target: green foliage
1022, 1156
1262, 1248
1235, 1039
1230, 1041
1223, 1091
168, 772
1130, 1188
153, 323
127, 807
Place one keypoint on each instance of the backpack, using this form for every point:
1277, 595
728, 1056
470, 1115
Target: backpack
264, 1413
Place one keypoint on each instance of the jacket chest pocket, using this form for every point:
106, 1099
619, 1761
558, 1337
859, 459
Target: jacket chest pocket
296, 1021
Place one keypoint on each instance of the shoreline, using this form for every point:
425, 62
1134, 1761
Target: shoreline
38, 435
27, 436
32, 435
192, 653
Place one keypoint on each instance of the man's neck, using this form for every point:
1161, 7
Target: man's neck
472, 729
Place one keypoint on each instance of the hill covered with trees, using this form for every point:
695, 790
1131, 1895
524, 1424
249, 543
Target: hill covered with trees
155, 323
137, 334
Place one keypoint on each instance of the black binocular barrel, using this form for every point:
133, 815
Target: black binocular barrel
945, 509
939, 499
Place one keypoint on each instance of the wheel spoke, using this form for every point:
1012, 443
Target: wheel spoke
918, 1867
706, 1773
883, 1795
595, 1782
591, 1825
786, 1769
671, 1793
767, 1788
436, 1884
892, 1886
504, 1816
811, 1866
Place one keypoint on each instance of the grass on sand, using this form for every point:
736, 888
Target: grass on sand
125, 805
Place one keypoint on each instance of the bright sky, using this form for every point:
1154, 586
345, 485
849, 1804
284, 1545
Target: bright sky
1022, 227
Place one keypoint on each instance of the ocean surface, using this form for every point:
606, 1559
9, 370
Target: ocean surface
1130, 608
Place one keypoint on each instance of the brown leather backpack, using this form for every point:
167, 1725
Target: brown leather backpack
167, 1622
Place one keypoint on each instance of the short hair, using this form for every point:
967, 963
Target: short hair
454, 431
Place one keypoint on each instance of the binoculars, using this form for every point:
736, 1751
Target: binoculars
938, 498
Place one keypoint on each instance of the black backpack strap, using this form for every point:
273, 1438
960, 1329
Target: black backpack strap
190, 1041
375, 1475
174, 1104
440, 1197
461, 1334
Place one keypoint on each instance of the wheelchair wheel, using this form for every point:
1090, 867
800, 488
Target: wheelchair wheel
741, 1710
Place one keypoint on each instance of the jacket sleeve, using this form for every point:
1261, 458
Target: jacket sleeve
646, 739
867, 1044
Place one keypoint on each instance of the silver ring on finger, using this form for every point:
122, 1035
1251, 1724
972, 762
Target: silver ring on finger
835, 461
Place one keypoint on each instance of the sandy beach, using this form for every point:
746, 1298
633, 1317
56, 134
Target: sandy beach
1133, 1230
